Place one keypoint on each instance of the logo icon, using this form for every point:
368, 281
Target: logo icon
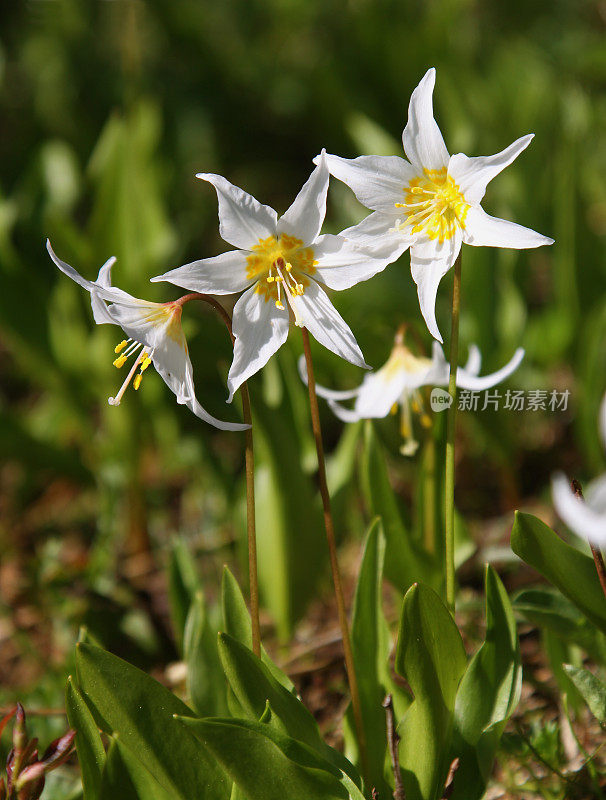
440, 400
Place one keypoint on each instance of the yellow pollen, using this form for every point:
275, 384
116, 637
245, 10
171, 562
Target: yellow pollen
137, 381
119, 362
145, 364
281, 264
434, 205
280, 305
120, 346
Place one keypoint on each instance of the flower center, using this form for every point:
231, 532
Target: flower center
143, 360
282, 267
434, 205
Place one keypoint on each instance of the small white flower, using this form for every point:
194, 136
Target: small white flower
399, 380
587, 518
283, 264
430, 203
154, 336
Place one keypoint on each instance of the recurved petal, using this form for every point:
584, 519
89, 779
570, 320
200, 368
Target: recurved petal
576, 513
260, 329
222, 274
326, 325
473, 174
242, 219
469, 380
341, 264
482, 230
377, 181
324, 391
378, 393
474, 360
430, 260
422, 140
194, 406
305, 216
69, 270
377, 233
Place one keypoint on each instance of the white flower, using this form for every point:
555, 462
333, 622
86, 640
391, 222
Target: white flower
283, 263
430, 203
154, 336
587, 518
398, 383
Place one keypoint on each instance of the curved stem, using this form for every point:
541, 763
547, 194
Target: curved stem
332, 548
250, 480
449, 480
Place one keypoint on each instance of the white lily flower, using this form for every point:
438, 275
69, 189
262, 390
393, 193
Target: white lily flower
430, 203
586, 517
154, 336
283, 264
398, 383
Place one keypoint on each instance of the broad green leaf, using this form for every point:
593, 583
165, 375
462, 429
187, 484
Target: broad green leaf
254, 686
205, 680
126, 701
91, 753
404, 562
571, 571
592, 689
431, 656
236, 621
127, 778
183, 582
488, 693
265, 764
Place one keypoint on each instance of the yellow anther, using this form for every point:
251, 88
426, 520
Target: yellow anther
400, 205
300, 288
394, 409
280, 305
415, 406
426, 421
145, 363
288, 267
270, 279
120, 346
137, 381
119, 362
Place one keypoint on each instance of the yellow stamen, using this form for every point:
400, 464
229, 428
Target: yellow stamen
120, 346
119, 362
137, 381
145, 364
435, 204
280, 305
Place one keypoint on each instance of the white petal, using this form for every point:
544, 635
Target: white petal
595, 494
242, 219
422, 140
326, 325
223, 274
482, 230
466, 380
377, 181
104, 278
323, 391
576, 513
439, 371
305, 216
194, 406
68, 270
378, 393
344, 414
341, 264
474, 360
429, 262
377, 233
260, 329
472, 175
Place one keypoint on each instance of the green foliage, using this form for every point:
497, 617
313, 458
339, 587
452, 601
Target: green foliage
205, 685
91, 753
591, 688
126, 777
183, 583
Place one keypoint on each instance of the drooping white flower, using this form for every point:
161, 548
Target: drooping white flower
430, 203
398, 383
283, 264
154, 336
586, 517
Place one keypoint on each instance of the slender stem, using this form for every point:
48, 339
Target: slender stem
251, 529
595, 551
332, 548
449, 785
392, 743
450, 440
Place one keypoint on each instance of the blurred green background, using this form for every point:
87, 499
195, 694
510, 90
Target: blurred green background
108, 108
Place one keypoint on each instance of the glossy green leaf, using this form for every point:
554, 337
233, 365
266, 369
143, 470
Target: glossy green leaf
405, 563
205, 679
591, 688
126, 701
431, 656
571, 571
183, 583
488, 694
237, 624
91, 753
127, 778
267, 765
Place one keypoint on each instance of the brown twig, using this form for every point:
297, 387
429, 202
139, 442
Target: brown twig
392, 742
595, 551
449, 785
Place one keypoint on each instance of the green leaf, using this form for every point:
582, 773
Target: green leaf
488, 694
91, 753
126, 778
404, 562
571, 571
265, 764
205, 679
592, 689
431, 656
236, 620
126, 701
183, 583
254, 686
